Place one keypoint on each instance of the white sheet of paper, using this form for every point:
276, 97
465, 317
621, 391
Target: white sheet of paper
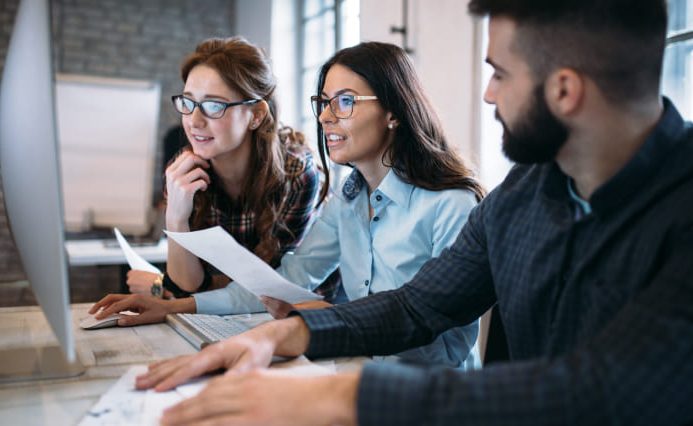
217, 247
134, 260
123, 405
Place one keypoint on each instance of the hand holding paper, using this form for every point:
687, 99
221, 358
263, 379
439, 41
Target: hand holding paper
217, 247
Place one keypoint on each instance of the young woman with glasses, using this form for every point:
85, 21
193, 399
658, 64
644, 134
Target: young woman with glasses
406, 199
239, 171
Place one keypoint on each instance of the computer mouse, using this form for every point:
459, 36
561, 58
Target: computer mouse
91, 323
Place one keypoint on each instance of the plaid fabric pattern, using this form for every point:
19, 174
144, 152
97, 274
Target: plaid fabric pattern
598, 309
296, 210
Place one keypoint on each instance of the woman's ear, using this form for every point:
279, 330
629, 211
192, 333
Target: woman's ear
260, 111
392, 122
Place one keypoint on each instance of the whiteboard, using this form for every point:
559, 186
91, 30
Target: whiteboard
107, 130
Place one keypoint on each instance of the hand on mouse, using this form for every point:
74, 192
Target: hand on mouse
149, 309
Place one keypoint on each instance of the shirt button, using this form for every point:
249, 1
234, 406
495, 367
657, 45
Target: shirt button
378, 197
366, 283
375, 219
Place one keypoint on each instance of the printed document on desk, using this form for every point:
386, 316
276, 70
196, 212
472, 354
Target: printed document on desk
217, 247
122, 405
134, 260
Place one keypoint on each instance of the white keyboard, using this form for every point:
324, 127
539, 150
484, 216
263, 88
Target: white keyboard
200, 329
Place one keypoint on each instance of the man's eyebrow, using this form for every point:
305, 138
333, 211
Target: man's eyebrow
495, 65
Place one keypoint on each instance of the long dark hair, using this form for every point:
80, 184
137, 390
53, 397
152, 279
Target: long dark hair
420, 153
245, 68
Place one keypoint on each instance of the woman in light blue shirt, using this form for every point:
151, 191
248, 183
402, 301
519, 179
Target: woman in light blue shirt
406, 199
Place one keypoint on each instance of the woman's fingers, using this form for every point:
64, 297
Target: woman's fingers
105, 303
277, 308
184, 163
194, 175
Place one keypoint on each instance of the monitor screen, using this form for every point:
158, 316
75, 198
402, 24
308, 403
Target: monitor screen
31, 181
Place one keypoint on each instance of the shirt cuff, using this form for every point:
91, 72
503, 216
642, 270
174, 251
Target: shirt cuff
233, 299
328, 335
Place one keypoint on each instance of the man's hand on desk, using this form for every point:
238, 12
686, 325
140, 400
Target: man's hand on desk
150, 309
266, 397
246, 394
244, 352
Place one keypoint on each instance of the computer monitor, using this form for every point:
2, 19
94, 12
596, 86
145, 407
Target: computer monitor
31, 186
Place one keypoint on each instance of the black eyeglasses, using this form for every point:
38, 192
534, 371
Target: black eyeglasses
342, 106
210, 109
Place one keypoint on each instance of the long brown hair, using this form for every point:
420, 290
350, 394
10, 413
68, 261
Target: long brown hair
420, 154
245, 68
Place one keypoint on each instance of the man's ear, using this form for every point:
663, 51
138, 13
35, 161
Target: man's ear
260, 111
565, 91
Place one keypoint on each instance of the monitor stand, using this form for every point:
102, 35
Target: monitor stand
36, 363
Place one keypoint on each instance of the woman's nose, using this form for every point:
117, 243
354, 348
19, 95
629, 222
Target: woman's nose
326, 115
197, 118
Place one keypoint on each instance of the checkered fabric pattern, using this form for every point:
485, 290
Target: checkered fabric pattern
598, 308
296, 211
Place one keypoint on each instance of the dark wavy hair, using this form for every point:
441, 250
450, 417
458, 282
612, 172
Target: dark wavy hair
420, 153
245, 68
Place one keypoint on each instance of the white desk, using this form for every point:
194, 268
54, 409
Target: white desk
106, 354
95, 252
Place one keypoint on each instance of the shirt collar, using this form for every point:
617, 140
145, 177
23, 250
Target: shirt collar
647, 162
580, 202
352, 185
392, 186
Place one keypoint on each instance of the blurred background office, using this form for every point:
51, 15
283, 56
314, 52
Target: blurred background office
147, 39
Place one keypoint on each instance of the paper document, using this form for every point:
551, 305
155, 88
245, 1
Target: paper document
134, 260
123, 405
217, 247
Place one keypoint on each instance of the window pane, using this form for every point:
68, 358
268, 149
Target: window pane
310, 77
680, 15
350, 23
315, 7
318, 38
678, 76
494, 164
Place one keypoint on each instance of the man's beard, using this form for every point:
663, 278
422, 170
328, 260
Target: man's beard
537, 136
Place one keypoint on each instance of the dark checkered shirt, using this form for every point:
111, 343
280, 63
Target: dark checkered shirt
598, 308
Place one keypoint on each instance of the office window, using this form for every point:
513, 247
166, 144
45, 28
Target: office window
677, 76
493, 164
326, 26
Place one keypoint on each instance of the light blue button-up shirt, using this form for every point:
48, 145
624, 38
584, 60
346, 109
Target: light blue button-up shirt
409, 226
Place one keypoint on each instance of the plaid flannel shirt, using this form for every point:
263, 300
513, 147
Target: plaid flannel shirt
296, 211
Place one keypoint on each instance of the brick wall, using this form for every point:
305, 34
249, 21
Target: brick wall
10, 269
139, 39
